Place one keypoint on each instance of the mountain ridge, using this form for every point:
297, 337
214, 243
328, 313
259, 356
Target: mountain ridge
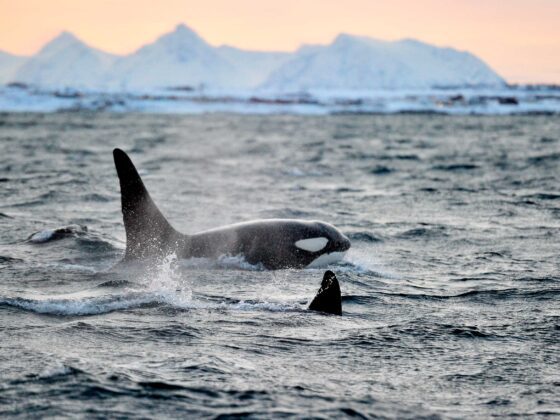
183, 58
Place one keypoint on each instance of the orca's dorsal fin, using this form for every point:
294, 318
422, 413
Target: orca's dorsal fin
328, 297
148, 233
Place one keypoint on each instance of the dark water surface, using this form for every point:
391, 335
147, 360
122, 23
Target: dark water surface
451, 290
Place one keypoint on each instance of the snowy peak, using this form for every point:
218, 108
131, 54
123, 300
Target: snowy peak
178, 58
182, 38
182, 31
355, 62
64, 62
66, 42
61, 41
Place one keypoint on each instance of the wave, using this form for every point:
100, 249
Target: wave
364, 236
100, 198
115, 283
360, 299
424, 232
400, 157
469, 332
68, 265
381, 170
162, 285
80, 307
41, 199
58, 370
134, 300
48, 235
83, 237
456, 167
9, 260
396, 331
542, 196
486, 295
253, 305
544, 159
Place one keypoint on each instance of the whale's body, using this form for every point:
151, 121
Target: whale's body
272, 243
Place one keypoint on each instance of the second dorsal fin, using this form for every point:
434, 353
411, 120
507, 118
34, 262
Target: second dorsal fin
328, 297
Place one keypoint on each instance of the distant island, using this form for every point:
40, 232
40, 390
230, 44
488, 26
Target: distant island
182, 59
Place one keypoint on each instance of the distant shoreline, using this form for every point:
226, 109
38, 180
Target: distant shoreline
512, 99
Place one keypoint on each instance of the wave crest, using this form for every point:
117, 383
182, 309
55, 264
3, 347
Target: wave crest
48, 235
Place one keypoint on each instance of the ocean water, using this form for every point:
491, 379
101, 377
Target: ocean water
451, 290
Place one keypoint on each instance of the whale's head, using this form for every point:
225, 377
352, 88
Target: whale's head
322, 244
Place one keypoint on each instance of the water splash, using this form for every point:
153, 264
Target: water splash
168, 283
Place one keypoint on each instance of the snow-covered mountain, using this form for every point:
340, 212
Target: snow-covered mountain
183, 58
179, 58
66, 62
9, 64
356, 63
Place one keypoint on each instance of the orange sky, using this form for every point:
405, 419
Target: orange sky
519, 38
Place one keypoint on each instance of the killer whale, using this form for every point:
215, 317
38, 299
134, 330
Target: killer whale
328, 299
272, 243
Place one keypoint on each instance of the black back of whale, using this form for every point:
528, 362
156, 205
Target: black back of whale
268, 242
328, 299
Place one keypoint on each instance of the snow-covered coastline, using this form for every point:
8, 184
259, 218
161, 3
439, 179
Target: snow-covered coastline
453, 101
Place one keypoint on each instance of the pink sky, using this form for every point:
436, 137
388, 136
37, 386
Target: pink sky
520, 39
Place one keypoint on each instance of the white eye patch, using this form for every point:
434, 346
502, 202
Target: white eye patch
312, 244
